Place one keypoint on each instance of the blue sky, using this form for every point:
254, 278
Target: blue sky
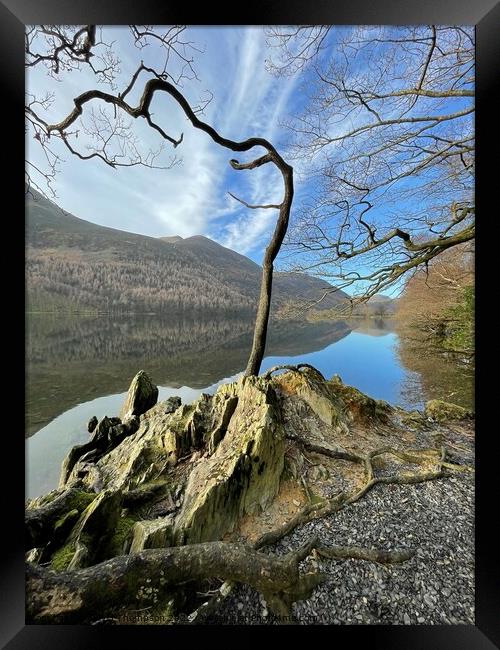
190, 198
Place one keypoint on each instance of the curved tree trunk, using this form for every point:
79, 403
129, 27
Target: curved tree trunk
262, 318
159, 84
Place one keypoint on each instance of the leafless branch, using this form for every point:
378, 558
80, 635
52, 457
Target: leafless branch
386, 140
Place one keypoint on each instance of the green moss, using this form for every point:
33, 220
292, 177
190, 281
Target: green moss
65, 520
180, 419
157, 483
122, 533
442, 411
357, 403
81, 500
43, 500
413, 419
459, 334
61, 558
48, 498
315, 498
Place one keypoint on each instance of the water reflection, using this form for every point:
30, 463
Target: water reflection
80, 367
434, 374
73, 360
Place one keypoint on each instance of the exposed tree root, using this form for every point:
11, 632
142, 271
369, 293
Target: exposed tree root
282, 608
148, 578
303, 516
358, 553
339, 454
307, 489
458, 468
39, 522
207, 609
75, 596
329, 506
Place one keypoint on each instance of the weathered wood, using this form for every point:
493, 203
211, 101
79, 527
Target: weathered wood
262, 318
293, 368
108, 434
369, 554
339, 454
136, 497
76, 596
40, 522
250, 432
339, 501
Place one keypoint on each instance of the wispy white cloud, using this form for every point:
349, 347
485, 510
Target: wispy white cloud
259, 102
245, 233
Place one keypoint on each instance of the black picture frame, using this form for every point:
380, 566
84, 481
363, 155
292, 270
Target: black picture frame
14, 15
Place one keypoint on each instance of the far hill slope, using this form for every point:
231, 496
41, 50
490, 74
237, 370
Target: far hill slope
75, 265
378, 305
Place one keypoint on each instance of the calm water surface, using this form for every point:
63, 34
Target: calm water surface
80, 367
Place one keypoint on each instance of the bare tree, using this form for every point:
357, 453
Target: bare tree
111, 140
387, 134
62, 49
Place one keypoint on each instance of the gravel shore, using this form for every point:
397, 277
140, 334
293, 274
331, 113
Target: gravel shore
436, 586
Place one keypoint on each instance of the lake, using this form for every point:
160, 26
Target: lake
82, 366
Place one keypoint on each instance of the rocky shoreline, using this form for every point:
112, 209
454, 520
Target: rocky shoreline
435, 587
285, 497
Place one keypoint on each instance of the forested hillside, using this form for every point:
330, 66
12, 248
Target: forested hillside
75, 265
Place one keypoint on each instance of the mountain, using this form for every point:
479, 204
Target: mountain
75, 265
378, 305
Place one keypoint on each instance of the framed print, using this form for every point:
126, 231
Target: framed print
253, 308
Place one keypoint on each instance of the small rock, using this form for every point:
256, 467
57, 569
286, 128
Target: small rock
429, 600
92, 423
142, 395
441, 411
296, 503
225, 589
172, 404
155, 533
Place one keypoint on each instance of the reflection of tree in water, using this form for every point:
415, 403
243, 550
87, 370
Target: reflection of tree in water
73, 360
440, 375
